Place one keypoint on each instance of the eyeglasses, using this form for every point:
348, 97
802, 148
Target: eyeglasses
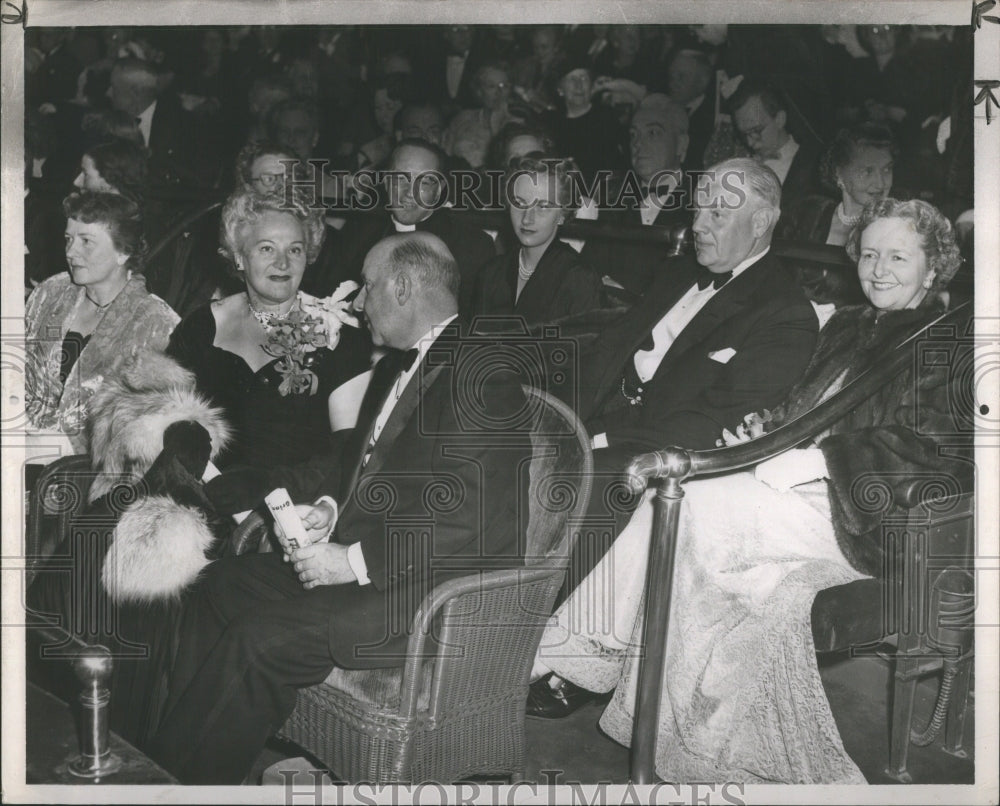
269, 179
755, 132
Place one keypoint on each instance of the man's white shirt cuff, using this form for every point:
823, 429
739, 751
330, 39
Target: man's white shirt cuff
356, 559
326, 499
599, 441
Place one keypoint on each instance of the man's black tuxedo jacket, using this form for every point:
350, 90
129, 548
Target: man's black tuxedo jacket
184, 159
761, 330
435, 86
442, 495
343, 257
701, 126
802, 178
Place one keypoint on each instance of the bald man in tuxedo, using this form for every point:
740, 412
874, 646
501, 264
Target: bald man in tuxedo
257, 628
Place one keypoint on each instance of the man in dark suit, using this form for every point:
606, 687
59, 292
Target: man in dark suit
761, 118
407, 206
450, 69
56, 68
717, 336
183, 160
690, 84
260, 628
653, 192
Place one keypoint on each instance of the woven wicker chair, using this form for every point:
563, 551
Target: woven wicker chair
459, 713
59, 496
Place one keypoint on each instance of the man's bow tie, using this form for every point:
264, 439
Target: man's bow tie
706, 278
646, 191
407, 357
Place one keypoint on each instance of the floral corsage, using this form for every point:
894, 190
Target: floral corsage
315, 323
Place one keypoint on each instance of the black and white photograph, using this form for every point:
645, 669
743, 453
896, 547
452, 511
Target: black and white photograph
529, 402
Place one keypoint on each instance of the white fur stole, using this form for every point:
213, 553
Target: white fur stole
158, 550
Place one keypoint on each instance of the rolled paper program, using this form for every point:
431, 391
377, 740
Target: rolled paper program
285, 515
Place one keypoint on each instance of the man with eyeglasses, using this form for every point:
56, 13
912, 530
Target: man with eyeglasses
760, 117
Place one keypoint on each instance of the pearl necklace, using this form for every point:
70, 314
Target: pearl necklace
266, 319
523, 271
848, 221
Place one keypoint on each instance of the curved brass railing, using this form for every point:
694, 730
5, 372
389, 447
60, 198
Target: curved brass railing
671, 466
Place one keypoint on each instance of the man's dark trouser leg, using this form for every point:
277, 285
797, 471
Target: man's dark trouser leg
263, 637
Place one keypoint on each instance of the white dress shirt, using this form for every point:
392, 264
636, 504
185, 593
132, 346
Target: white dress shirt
355, 557
666, 331
783, 161
677, 318
454, 68
146, 122
648, 209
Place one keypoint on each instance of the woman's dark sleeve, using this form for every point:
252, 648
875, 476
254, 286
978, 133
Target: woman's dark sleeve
488, 295
924, 437
582, 292
187, 343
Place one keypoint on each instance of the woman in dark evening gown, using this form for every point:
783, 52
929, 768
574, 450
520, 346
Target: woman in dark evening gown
126, 585
543, 279
268, 428
223, 343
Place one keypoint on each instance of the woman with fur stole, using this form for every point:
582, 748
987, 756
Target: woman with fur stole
742, 696
145, 534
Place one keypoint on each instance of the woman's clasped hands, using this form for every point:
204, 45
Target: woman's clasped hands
753, 426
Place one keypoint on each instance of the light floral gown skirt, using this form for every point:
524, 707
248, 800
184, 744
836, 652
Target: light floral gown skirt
743, 700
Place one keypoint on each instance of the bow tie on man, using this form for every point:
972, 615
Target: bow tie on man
407, 359
707, 277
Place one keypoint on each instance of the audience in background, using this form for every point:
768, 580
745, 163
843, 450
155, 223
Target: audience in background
653, 191
760, 117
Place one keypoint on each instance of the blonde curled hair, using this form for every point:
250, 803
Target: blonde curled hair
245, 208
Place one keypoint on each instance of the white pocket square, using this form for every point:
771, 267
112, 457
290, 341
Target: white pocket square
722, 356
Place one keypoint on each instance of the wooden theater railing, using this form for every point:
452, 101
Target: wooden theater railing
668, 468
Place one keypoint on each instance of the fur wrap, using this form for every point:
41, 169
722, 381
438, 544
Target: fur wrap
158, 550
910, 429
130, 412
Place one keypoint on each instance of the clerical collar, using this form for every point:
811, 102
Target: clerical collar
403, 227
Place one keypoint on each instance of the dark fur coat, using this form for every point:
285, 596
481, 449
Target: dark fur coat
913, 428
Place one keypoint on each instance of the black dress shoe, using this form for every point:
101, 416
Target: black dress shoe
546, 702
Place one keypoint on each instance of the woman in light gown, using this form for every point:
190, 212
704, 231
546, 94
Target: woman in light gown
742, 698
